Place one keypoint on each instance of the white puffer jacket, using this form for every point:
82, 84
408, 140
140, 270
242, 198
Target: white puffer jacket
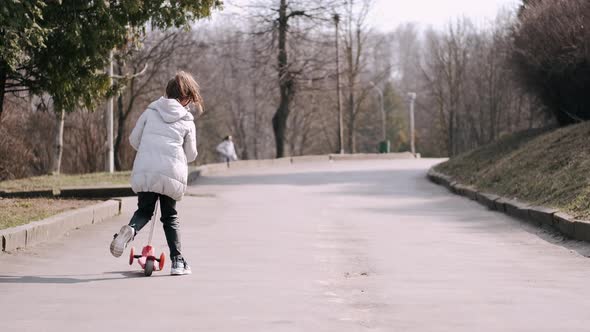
165, 140
227, 151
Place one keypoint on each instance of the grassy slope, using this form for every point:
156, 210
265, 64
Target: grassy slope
15, 212
544, 167
58, 181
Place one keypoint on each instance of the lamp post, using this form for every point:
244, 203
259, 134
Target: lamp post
383, 121
336, 19
412, 97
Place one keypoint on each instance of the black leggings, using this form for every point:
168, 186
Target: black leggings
146, 203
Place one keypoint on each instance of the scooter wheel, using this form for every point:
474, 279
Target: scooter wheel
162, 261
149, 267
131, 256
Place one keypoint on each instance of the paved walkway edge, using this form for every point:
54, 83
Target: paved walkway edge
56, 226
537, 215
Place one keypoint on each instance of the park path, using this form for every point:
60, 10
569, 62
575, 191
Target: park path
345, 246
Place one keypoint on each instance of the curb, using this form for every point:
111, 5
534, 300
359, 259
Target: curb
56, 226
73, 192
102, 192
27, 194
311, 159
540, 216
195, 172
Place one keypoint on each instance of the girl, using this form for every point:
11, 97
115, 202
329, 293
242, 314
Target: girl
165, 140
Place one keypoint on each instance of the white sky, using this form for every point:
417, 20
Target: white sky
386, 15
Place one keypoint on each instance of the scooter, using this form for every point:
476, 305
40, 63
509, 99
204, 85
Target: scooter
147, 258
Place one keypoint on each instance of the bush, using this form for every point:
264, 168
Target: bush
552, 52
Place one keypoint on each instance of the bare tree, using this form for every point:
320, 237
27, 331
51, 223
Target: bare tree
354, 42
281, 19
472, 90
445, 75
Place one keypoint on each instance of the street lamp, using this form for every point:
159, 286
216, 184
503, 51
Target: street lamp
336, 19
412, 97
383, 124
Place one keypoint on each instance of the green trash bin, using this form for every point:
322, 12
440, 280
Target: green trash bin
384, 146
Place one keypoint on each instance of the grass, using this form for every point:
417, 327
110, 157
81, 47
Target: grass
16, 212
64, 180
542, 167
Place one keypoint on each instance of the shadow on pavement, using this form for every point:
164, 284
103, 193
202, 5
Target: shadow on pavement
73, 279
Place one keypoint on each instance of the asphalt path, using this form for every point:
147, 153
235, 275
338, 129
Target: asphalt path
345, 246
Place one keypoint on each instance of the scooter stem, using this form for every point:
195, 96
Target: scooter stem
154, 218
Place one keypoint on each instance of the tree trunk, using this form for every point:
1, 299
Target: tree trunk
3, 75
279, 120
452, 122
121, 116
351, 121
58, 144
120, 121
256, 125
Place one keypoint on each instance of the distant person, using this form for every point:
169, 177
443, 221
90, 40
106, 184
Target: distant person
165, 140
227, 150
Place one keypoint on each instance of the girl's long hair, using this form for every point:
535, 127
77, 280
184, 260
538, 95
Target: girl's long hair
183, 86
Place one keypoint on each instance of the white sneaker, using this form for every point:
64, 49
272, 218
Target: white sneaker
179, 267
187, 269
121, 239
